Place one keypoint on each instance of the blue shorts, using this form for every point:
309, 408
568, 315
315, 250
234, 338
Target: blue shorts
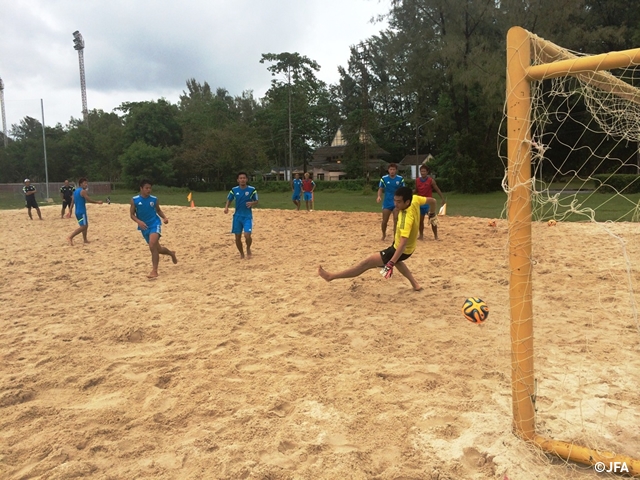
157, 228
83, 221
424, 209
295, 197
241, 223
389, 206
307, 196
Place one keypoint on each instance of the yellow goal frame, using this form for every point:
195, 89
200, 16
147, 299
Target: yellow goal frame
520, 74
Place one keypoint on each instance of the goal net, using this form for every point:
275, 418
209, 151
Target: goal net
571, 145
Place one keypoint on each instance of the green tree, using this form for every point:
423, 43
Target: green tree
141, 161
298, 111
154, 123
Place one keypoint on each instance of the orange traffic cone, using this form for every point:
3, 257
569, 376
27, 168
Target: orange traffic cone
193, 205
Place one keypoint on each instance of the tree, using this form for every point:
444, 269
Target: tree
297, 107
143, 161
154, 123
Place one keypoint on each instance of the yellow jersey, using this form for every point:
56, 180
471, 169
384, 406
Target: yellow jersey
408, 224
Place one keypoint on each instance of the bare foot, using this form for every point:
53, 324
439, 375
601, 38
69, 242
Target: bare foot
436, 238
248, 253
417, 287
324, 274
87, 241
70, 241
241, 256
420, 237
173, 257
153, 274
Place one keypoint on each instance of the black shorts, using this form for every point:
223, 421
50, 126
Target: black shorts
30, 202
388, 253
66, 202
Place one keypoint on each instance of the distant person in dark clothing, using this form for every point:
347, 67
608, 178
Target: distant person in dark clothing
66, 192
30, 198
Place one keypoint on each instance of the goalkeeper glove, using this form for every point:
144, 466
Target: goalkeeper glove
387, 270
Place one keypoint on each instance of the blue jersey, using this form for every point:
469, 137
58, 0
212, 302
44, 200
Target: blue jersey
80, 202
241, 197
390, 186
146, 210
297, 186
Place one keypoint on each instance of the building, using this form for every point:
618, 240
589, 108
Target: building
328, 161
411, 163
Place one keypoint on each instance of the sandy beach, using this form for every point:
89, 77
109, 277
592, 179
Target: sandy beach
260, 369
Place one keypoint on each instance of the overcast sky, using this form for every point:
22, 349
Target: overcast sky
146, 49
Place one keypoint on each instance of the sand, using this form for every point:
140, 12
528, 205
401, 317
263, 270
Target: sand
222, 368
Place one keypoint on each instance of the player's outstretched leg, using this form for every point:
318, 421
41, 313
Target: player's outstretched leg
368, 263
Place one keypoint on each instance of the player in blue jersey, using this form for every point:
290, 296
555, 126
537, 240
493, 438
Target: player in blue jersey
145, 211
296, 187
245, 197
388, 185
80, 199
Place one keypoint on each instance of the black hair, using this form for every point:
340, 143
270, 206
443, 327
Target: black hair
243, 173
81, 180
144, 182
405, 192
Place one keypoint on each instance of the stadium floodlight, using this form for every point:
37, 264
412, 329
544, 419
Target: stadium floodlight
78, 44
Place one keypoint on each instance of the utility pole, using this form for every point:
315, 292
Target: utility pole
290, 127
4, 117
44, 146
363, 54
78, 44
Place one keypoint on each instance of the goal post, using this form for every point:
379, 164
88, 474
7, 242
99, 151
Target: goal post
521, 45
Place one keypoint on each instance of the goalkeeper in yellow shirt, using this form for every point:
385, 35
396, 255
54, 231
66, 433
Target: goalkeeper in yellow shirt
404, 244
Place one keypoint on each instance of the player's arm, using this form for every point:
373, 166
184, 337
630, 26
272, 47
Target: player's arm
254, 202
230, 198
313, 186
160, 213
61, 194
86, 196
32, 192
437, 189
380, 191
134, 217
400, 250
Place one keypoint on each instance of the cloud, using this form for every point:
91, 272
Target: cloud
145, 50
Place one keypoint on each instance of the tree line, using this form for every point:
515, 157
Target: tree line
433, 81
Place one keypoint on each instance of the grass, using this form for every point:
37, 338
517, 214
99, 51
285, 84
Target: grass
491, 205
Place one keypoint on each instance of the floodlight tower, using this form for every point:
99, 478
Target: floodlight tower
4, 117
78, 44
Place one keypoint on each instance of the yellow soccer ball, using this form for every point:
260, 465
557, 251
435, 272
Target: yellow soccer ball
475, 310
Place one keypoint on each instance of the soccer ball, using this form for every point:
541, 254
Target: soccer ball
552, 223
475, 310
